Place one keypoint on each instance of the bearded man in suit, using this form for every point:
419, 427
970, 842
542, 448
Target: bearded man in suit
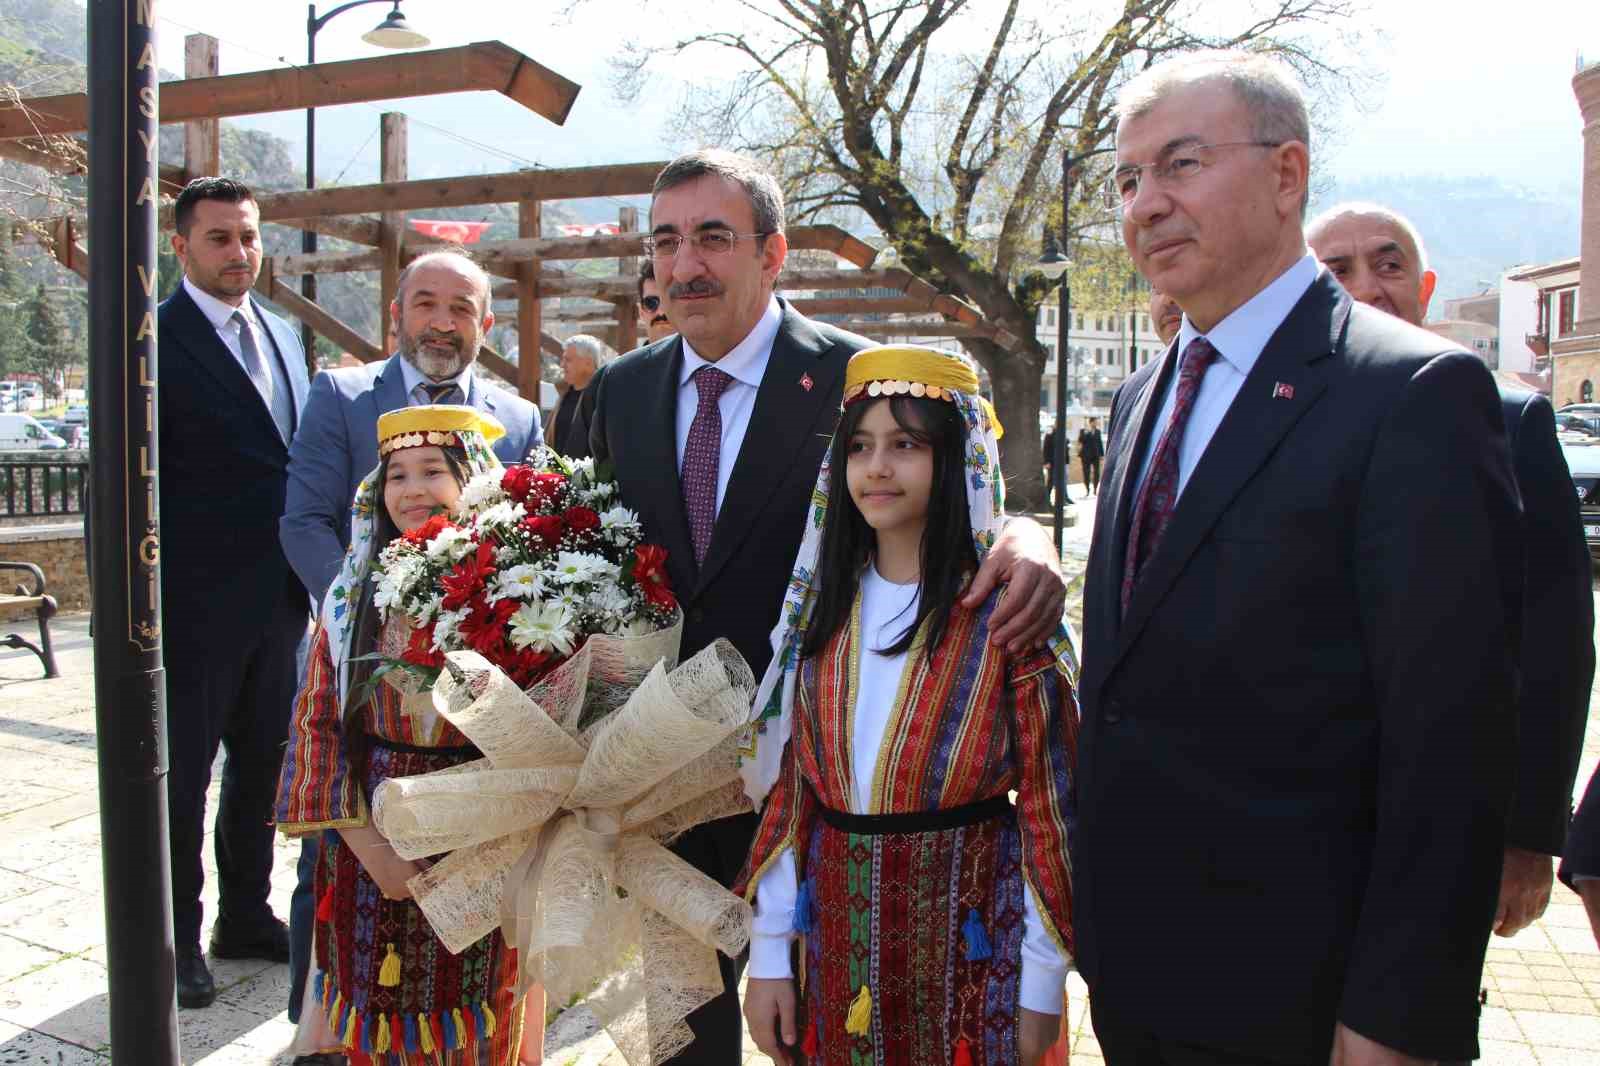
1300, 628
716, 435
232, 388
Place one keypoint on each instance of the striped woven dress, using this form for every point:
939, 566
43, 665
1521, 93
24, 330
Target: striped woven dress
912, 912
393, 994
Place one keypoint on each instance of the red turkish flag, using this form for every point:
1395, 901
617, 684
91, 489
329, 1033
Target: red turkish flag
450, 230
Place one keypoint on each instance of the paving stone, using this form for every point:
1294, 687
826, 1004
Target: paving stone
19, 958
19, 1046
1507, 969
1572, 1005
14, 884
1497, 1023
1563, 1056
1505, 1053
1518, 984
202, 1033
1548, 1029
1565, 916
1521, 1001
66, 1000
72, 922
1574, 941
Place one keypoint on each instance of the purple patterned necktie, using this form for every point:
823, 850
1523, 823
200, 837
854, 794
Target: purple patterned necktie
702, 453
1158, 496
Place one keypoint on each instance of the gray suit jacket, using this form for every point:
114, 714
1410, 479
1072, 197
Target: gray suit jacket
337, 445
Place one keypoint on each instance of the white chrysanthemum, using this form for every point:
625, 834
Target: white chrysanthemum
483, 490
609, 600
571, 568
444, 630
618, 518
521, 582
388, 586
429, 609
501, 516
603, 490
543, 627
451, 545
584, 468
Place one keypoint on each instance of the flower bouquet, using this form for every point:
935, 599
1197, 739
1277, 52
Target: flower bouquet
549, 637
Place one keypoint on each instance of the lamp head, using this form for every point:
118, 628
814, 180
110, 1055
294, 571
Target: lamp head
1052, 264
395, 32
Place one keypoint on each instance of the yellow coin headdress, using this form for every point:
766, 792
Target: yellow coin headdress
438, 424
909, 370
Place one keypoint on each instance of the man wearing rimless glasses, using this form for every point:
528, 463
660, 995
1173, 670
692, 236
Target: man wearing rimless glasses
652, 316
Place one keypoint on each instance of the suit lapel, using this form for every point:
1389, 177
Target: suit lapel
1133, 445
294, 370
784, 413
655, 413
1257, 421
196, 335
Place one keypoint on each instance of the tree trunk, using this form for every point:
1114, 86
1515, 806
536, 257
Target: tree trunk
1017, 381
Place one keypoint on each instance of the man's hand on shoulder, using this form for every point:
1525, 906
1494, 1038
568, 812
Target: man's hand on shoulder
1024, 557
1526, 878
1350, 1048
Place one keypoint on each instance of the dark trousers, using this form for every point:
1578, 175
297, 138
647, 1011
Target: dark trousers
234, 694
718, 849
1091, 474
1125, 1043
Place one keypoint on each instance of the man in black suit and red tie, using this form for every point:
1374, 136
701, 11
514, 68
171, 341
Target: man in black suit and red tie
716, 434
231, 389
1379, 257
1299, 629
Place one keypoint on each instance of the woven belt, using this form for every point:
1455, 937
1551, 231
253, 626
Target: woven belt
469, 750
918, 821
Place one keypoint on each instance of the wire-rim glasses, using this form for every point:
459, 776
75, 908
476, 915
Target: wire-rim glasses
717, 241
1175, 168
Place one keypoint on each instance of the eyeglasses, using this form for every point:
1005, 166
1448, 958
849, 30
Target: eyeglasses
650, 303
1182, 165
705, 241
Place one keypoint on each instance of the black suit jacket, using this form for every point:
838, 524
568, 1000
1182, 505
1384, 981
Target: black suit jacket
631, 407
1292, 780
1583, 842
223, 472
1557, 660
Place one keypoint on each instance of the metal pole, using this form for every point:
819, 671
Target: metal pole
1064, 362
308, 238
125, 534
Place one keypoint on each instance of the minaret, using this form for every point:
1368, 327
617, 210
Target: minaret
1577, 356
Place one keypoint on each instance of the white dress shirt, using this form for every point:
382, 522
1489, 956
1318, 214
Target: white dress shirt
220, 315
746, 364
886, 610
1239, 340
414, 377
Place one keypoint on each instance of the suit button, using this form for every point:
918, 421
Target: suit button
1113, 713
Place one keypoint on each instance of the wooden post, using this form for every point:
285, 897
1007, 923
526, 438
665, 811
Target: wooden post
530, 316
202, 138
391, 224
627, 337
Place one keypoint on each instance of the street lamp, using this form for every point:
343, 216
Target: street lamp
392, 32
1054, 264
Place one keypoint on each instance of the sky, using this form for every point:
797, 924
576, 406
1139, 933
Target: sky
1467, 88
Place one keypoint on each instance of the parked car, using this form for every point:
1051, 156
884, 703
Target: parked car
1577, 422
20, 432
77, 415
1583, 463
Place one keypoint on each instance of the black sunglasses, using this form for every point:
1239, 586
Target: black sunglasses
651, 302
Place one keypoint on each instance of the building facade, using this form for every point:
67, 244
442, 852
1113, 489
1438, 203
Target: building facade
1575, 352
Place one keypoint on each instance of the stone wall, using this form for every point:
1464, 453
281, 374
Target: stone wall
58, 550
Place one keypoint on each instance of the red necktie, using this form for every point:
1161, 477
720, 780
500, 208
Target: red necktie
702, 454
1158, 496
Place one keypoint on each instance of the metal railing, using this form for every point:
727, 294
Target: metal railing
35, 484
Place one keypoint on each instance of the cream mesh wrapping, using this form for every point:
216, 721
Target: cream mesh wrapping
555, 836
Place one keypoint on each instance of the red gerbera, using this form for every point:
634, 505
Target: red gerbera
650, 571
484, 629
419, 649
467, 578
429, 529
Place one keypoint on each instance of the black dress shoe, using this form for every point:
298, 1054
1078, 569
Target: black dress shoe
195, 987
269, 941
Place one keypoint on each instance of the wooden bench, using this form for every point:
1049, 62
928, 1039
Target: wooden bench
41, 605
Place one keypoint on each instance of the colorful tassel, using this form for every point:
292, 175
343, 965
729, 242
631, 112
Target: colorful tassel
428, 1046
397, 1033
438, 1033
858, 1020
389, 972
351, 1022
480, 1021
472, 1029
978, 948
459, 1038
413, 1043
488, 1016
364, 1035
380, 1043
336, 1015
963, 1056
805, 921
810, 1043
325, 906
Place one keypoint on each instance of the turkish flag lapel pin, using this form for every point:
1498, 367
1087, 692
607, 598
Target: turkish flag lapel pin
805, 382
1281, 391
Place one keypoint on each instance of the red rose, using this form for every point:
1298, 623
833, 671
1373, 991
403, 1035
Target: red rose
546, 488
650, 571
517, 481
428, 530
467, 578
580, 519
546, 529
419, 649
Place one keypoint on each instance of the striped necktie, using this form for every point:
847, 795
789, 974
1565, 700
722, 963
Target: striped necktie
278, 402
428, 392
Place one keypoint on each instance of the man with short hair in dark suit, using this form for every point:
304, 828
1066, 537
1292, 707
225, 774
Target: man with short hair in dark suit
1379, 257
1300, 630
716, 436
231, 391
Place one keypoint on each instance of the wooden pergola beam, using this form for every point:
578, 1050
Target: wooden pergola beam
357, 229
851, 305
322, 321
490, 66
565, 183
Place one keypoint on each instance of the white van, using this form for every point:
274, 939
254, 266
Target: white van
23, 433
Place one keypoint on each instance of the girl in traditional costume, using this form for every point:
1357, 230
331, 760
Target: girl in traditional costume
936, 917
390, 991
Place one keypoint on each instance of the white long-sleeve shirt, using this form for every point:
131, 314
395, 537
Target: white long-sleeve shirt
886, 610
